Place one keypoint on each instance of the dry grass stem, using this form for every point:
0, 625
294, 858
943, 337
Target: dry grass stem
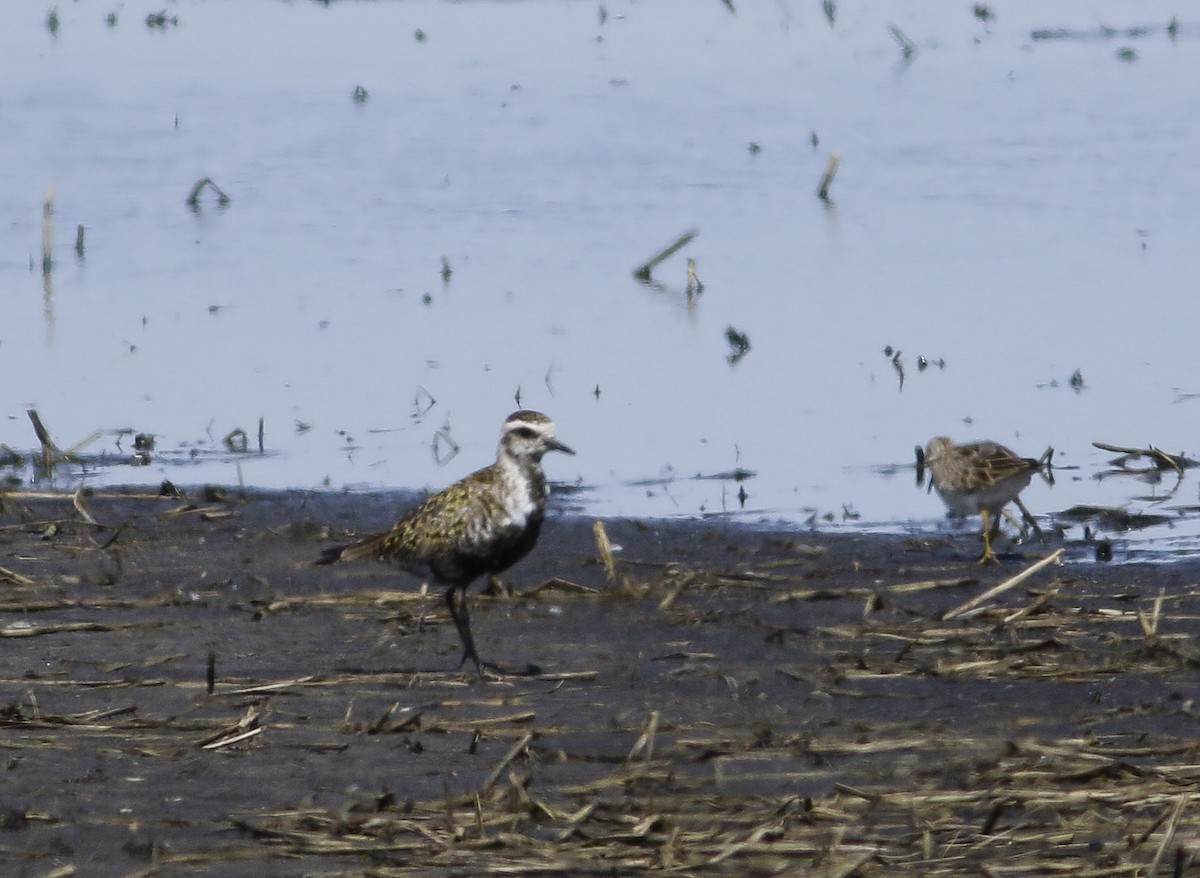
604, 548
1054, 557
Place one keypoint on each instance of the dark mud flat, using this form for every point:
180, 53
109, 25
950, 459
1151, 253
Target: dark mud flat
736, 701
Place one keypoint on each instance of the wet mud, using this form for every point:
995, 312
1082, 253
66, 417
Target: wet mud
184, 693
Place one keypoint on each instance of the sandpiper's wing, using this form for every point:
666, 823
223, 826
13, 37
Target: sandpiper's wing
991, 463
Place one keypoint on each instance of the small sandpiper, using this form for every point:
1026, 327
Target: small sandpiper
481, 524
981, 477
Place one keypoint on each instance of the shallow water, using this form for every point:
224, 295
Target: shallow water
1013, 209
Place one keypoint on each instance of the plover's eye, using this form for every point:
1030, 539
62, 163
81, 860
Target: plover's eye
525, 432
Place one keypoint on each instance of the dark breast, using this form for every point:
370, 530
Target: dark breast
508, 547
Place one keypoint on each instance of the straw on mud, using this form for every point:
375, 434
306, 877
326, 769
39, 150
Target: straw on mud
16, 578
79, 501
642, 272
1053, 558
604, 548
512, 754
827, 177
1149, 623
644, 745
1031, 608
1169, 832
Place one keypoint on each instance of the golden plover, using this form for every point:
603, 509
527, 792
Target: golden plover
481, 524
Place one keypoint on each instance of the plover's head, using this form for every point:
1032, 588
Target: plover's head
528, 434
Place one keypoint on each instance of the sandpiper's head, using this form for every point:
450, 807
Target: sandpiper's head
937, 448
529, 434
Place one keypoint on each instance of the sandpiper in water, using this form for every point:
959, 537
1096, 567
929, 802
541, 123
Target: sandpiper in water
980, 477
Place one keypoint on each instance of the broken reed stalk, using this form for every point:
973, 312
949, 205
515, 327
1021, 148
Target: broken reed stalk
642, 272
604, 548
1053, 558
512, 754
1169, 832
48, 230
49, 449
644, 745
1175, 462
827, 178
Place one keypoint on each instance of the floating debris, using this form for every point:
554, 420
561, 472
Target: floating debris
908, 49
739, 344
827, 178
1113, 519
983, 12
359, 95
447, 272
643, 271
161, 20
193, 199
1162, 460
237, 441
48, 231
1105, 33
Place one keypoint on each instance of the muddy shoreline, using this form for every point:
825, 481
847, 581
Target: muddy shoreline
736, 700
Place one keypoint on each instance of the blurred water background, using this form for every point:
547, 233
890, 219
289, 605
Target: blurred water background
435, 211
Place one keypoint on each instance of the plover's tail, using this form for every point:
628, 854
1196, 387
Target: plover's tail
369, 549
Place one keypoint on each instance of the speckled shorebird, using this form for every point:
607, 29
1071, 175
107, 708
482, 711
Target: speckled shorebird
484, 523
980, 477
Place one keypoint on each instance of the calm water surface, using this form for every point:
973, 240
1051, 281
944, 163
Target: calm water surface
1014, 209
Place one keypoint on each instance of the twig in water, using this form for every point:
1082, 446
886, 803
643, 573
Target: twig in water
695, 286
1177, 463
193, 199
907, 47
48, 230
642, 272
827, 177
49, 449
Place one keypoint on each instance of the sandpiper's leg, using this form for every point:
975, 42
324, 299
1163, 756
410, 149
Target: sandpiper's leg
988, 554
456, 600
1028, 517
